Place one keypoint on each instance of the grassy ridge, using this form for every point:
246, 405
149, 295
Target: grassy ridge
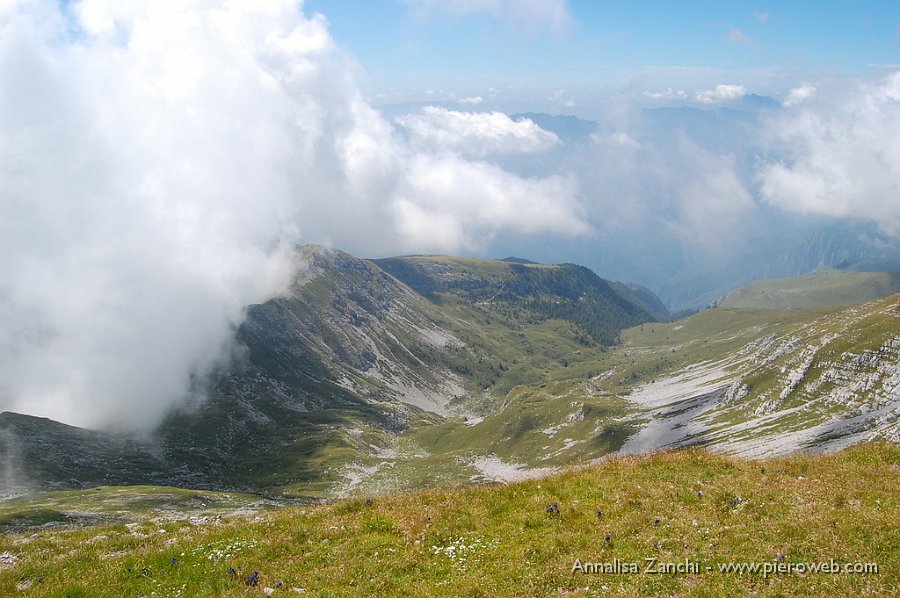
823, 288
502, 541
599, 308
576, 412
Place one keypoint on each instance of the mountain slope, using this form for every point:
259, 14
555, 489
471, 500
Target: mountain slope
805, 380
822, 288
335, 371
356, 382
565, 292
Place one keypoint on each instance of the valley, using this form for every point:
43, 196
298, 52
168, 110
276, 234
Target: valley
370, 377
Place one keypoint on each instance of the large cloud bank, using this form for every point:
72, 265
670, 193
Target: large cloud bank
841, 153
158, 160
476, 134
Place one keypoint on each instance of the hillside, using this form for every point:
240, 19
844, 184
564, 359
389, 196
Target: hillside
822, 288
358, 383
684, 508
369, 377
750, 382
532, 291
335, 372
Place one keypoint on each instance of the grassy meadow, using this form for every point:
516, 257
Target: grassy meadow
691, 507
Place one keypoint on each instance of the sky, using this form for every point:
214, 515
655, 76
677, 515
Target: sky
470, 47
159, 161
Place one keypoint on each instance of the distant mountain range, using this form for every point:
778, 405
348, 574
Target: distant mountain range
768, 243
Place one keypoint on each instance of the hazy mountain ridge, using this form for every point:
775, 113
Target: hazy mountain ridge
780, 255
762, 243
563, 291
823, 287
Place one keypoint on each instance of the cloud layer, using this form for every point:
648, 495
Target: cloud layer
157, 162
475, 134
721, 92
840, 155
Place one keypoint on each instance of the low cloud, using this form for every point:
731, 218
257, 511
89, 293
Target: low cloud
841, 156
473, 100
651, 185
475, 134
619, 138
721, 92
449, 203
799, 95
560, 98
668, 94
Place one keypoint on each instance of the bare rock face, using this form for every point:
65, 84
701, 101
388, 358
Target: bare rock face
823, 385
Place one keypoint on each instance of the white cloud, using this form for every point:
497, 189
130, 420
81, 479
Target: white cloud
156, 167
529, 15
619, 138
475, 134
668, 94
448, 203
842, 156
561, 98
763, 17
473, 100
658, 200
721, 92
799, 95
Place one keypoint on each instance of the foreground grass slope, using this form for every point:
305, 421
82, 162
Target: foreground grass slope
501, 540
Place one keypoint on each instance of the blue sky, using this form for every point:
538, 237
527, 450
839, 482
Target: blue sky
406, 48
